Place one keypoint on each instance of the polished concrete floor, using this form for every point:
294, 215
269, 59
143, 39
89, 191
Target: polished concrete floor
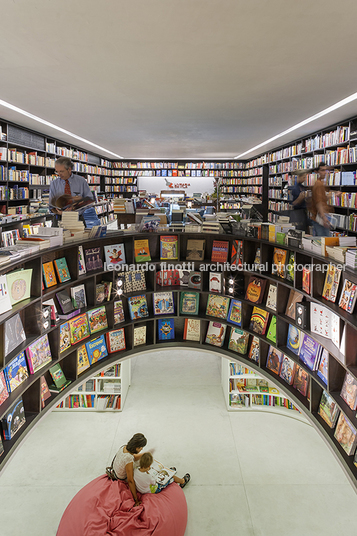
253, 473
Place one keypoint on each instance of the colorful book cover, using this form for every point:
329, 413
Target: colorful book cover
238, 341
93, 259
257, 257
272, 297
138, 281
168, 278
13, 420
118, 312
99, 293
309, 352
49, 275
19, 285
166, 329
279, 261
216, 333
271, 334
259, 320
79, 328
64, 301
274, 360
97, 319
328, 409
82, 359
142, 251
81, 264
306, 280
235, 313
287, 370
254, 351
44, 391
14, 333
96, 349
189, 303
78, 294
116, 340
5, 302
335, 284
219, 251
294, 339
114, 254
139, 335
138, 307
322, 370
163, 303
345, 434
237, 253
192, 330
195, 280
348, 296
217, 306
38, 354
168, 248
301, 380
329, 278
294, 298
65, 337
290, 268
4, 394
215, 282
60, 381
16, 372
107, 289
349, 391
255, 290
195, 250
62, 270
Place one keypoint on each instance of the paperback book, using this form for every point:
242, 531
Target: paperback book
142, 251
79, 328
166, 329
328, 409
62, 270
192, 330
139, 335
93, 259
254, 351
294, 339
255, 290
82, 359
116, 340
118, 312
168, 248
301, 380
279, 262
215, 282
65, 337
38, 354
216, 333
49, 276
138, 307
238, 341
309, 352
114, 254
16, 372
19, 285
237, 253
189, 303
78, 294
274, 360
349, 391
97, 319
163, 303
332, 281
235, 313
348, 296
287, 370
290, 268
271, 334
259, 320
272, 297
219, 251
217, 306
96, 349
14, 333
345, 434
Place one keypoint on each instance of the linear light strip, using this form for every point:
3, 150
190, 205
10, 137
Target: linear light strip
328, 110
47, 123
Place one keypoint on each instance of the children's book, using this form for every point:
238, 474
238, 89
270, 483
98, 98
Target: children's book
139, 335
5, 302
219, 251
294, 339
78, 294
237, 253
332, 281
192, 330
166, 329
235, 313
255, 290
116, 340
65, 337
4, 394
64, 301
38, 354
168, 248
272, 297
217, 306
82, 359
306, 280
278, 267
107, 289
99, 293
348, 296
271, 334
13, 420
118, 312
301, 380
294, 298
274, 359
215, 282
161, 474
168, 278
16, 372
259, 320
44, 391
163, 303
79, 328
134, 281
189, 303
254, 351
349, 391
60, 381
346, 434
114, 254
238, 341
290, 268
322, 370
309, 352
287, 370
138, 307
93, 259
14, 333
62, 270
328, 409
97, 319
96, 349
142, 251
195, 280
324, 322
81, 264
195, 250
49, 275
216, 333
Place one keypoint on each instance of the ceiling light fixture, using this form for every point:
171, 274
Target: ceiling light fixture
328, 110
48, 124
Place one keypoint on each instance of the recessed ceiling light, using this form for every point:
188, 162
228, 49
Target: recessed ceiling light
48, 124
328, 110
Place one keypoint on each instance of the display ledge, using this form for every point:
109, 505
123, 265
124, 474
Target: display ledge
350, 413
18, 307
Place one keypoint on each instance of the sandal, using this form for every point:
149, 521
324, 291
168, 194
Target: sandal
173, 468
186, 478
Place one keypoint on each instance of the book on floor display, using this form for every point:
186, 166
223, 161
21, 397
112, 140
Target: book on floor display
65, 337
272, 297
349, 391
139, 335
142, 251
348, 296
328, 409
287, 370
301, 380
309, 352
192, 329
81, 263
93, 259
254, 350
294, 298
13, 420
216, 333
255, 290
64, 301
82, 359
306, 280
4, 393
195, 250
195, 280
215, 282
62, 270
332, 281
118, 312
259, 320
217, 306
97, 319
294, 339
5, 302
237, 253
115, 340
278, 267
219, 251
79, 328
19, 285
345, 433
16, 372
44, 391
78, 295
49, 276
235, 313
96, 349
166, 329
99, 293
60, 381
114, 254
168, 248
163, 303
322, 369
14, 333
238, 341
38, 354
138, 307
274, 360
189, 303
271, 333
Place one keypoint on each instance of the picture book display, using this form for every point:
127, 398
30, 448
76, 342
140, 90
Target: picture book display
44, 391
294, 339
65, 337
60, 381
306, 280
62, 270
215, 333
238, 340
115, 340
237, 253
65, 302
301, 380
138, 307
81, 263
189, 303
294, 298
19, 285
97, 319
79, 328
272, 297
332, 281
38, 354
235, 313
287, 370
93, 260
259, 320
142, 251
163, 303
78, 295
166, 329
49, 276
114, 254
345, 433
348, 296
217, 306
279, 262
309, 352
118, 312
139, 335
4, 394
16, 372
215, 282
192, 330
349, 391
82, 359
254, 350
14, 333
274, 359
328, 409
5, 302
168, 248
195, 250
96, 349
271, 334
322, 370
255, 290
13, 420
219, 251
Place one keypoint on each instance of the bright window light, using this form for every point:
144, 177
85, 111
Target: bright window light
48, 124
328, 110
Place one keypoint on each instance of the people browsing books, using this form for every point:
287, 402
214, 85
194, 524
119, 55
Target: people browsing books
320, 209
149, 480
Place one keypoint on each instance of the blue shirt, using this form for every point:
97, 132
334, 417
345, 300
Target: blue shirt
79, 187
295, 192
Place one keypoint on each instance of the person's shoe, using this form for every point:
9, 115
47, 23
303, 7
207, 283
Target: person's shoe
173, 468
186, 478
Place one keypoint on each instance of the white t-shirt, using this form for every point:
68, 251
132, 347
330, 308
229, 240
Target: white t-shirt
143, 481
121, 460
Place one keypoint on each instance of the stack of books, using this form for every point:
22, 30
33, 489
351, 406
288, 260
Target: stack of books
351, 258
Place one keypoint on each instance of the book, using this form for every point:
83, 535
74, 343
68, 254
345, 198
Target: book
4, 393
272, 297
325, 323
192, 330
274, 360
254, 350
65, 302
306, 280
255, 290
60, 381
161, 474
328, 409
142, 251
235, 313
219, 251
168, 278
217, 306
279, 261
301, 380
287, 370
107, 289
44, 391
345, 433
96, 349
115, 340
14, 334
294, 298
195, 250
348, 296
81, 263
99, 293
259, 320
168, 248
19, 285
5, 302
79, 328
65, 337
238, 341
216, 333
163, 303
309, 352
138, 307
349, 391
271, 334
82, 359
195, 280
49, 276
114, 254
93, 259
97, 319
139, 335
78, 295
13, 420
134, 281
166, 329
38, 354
290, 268
237, 253
257, 258
294, 339
118, 312
16, 372
189, 303
215, 282
322, 370
332, 281
62, 270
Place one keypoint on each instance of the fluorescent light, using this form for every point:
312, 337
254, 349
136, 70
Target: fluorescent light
48, 124
328, 110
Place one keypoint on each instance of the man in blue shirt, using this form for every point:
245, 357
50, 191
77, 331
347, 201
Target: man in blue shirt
67, 183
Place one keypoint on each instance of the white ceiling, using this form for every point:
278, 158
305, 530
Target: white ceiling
177, 78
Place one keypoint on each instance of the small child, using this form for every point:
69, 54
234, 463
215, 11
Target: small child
146, 483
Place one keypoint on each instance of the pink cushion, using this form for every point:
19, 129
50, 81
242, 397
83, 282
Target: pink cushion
105, 507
